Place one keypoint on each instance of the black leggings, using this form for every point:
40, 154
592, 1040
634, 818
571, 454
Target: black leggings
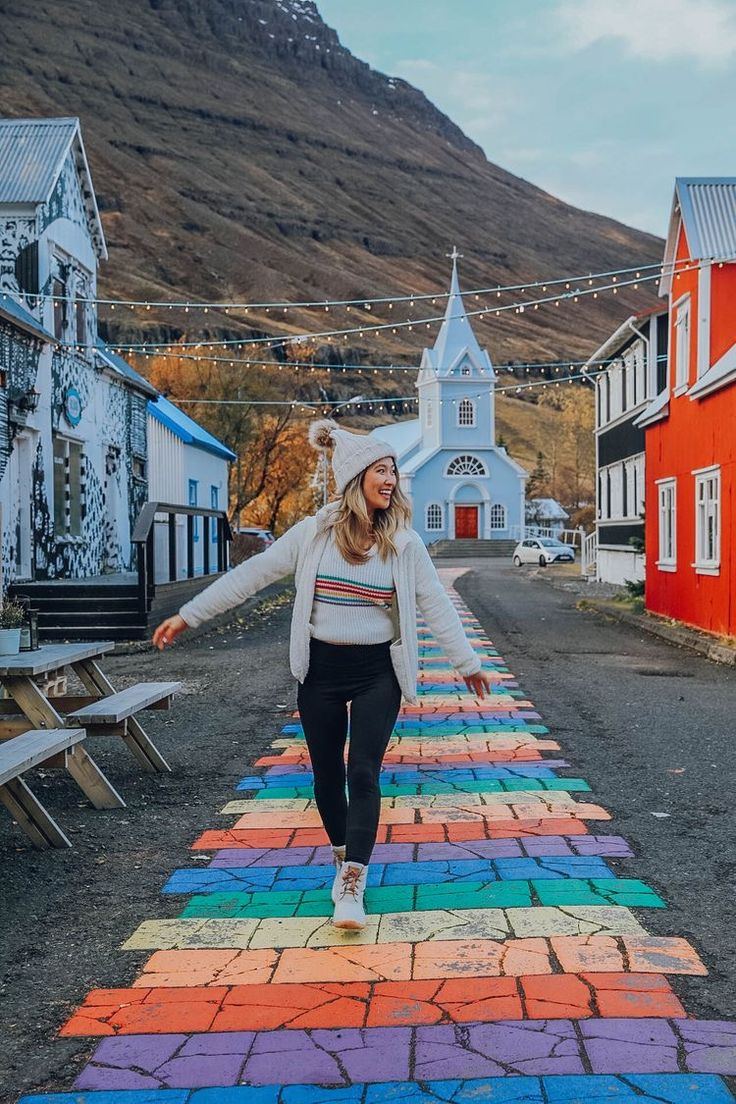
363, 675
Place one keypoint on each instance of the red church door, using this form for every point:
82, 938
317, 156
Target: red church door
466, 522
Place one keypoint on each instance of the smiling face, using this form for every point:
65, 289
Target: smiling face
378, 484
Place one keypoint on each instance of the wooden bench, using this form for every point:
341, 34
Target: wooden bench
114, 715
57, 747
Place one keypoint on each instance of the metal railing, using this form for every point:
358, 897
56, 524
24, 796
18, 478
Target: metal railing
573, 537
214, 548
589, 554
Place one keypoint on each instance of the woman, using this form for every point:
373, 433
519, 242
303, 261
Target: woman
361, 574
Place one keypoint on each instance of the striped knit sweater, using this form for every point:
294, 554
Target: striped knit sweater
352, 602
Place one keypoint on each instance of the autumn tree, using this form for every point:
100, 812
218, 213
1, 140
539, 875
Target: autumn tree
575, 484
287, 494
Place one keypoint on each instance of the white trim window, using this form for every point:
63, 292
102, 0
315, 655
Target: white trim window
498, 516
466, 465
682, 342
667, 550
708, 520
69, 488
434, 520
604, 509
428, 414
466, 413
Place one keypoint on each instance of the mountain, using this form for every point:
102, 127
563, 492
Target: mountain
240, 152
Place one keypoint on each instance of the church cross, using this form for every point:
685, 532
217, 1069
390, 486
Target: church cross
454, 256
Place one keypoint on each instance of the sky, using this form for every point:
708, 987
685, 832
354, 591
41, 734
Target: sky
600, 102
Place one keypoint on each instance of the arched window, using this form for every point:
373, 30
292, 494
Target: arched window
498, 516
433, 516
428, 414
466, 465
466, 412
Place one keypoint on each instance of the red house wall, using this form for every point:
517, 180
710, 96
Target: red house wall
696, 434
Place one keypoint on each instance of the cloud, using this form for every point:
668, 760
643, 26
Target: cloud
474, 98
654, 30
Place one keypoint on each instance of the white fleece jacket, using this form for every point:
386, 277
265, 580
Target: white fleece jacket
298, 552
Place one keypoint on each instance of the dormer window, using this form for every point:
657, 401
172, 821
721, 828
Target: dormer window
466, 413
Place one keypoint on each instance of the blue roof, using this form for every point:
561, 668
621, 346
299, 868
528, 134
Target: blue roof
189, 431
12, 311
124, 369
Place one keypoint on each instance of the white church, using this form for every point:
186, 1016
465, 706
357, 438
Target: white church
460, 482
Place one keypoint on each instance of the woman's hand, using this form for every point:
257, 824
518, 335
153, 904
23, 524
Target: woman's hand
168, 631
479, 684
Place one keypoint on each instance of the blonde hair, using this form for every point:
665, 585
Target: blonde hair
351, 524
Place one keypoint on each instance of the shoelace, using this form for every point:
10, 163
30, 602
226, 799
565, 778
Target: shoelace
350, 878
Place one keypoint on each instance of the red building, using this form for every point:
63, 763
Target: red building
690, 500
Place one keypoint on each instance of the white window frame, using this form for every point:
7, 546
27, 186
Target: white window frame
465, 417
667, 524
434, 506
499, 509
466, 457
603, 496
68, 518
428, 414
707, 520
681, 311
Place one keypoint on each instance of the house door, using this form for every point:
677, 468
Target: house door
466, 522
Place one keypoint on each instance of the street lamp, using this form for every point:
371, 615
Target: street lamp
337, 406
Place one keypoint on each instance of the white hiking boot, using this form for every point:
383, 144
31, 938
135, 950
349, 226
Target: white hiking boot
349, 912
338, 854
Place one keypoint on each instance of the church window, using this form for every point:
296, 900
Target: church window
465, 371
466, 465
498, 516
428, 414
466, 413
433, 518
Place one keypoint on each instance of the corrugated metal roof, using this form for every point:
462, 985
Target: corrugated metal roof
189, 431
708, 207
15, 313
32, 152
125, 369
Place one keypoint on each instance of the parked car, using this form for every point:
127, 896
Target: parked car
263, 534
543, 551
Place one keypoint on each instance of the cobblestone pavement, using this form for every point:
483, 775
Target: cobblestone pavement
504, 959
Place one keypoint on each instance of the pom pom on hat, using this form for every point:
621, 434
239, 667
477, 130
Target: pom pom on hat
322, 434
353, 452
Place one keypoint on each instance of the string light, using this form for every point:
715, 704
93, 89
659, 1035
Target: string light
365, 303
281, 341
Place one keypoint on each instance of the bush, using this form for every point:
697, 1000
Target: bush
243, 546
12, 615
635, 587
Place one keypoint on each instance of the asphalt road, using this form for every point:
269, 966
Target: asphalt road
651, 728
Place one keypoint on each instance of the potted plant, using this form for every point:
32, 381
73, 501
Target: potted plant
11, 618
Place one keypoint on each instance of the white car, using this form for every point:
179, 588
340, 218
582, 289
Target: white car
264, 535
542, 551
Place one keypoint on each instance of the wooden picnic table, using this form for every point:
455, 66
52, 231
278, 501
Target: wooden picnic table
36, 729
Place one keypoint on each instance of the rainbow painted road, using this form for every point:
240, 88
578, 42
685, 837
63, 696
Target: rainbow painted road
505, 959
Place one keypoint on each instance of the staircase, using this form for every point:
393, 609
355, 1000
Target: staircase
465, 548
87, 609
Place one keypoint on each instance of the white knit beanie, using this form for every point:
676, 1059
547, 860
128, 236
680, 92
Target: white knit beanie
353, 452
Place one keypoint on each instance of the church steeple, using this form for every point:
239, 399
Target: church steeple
456, 381
456, 341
